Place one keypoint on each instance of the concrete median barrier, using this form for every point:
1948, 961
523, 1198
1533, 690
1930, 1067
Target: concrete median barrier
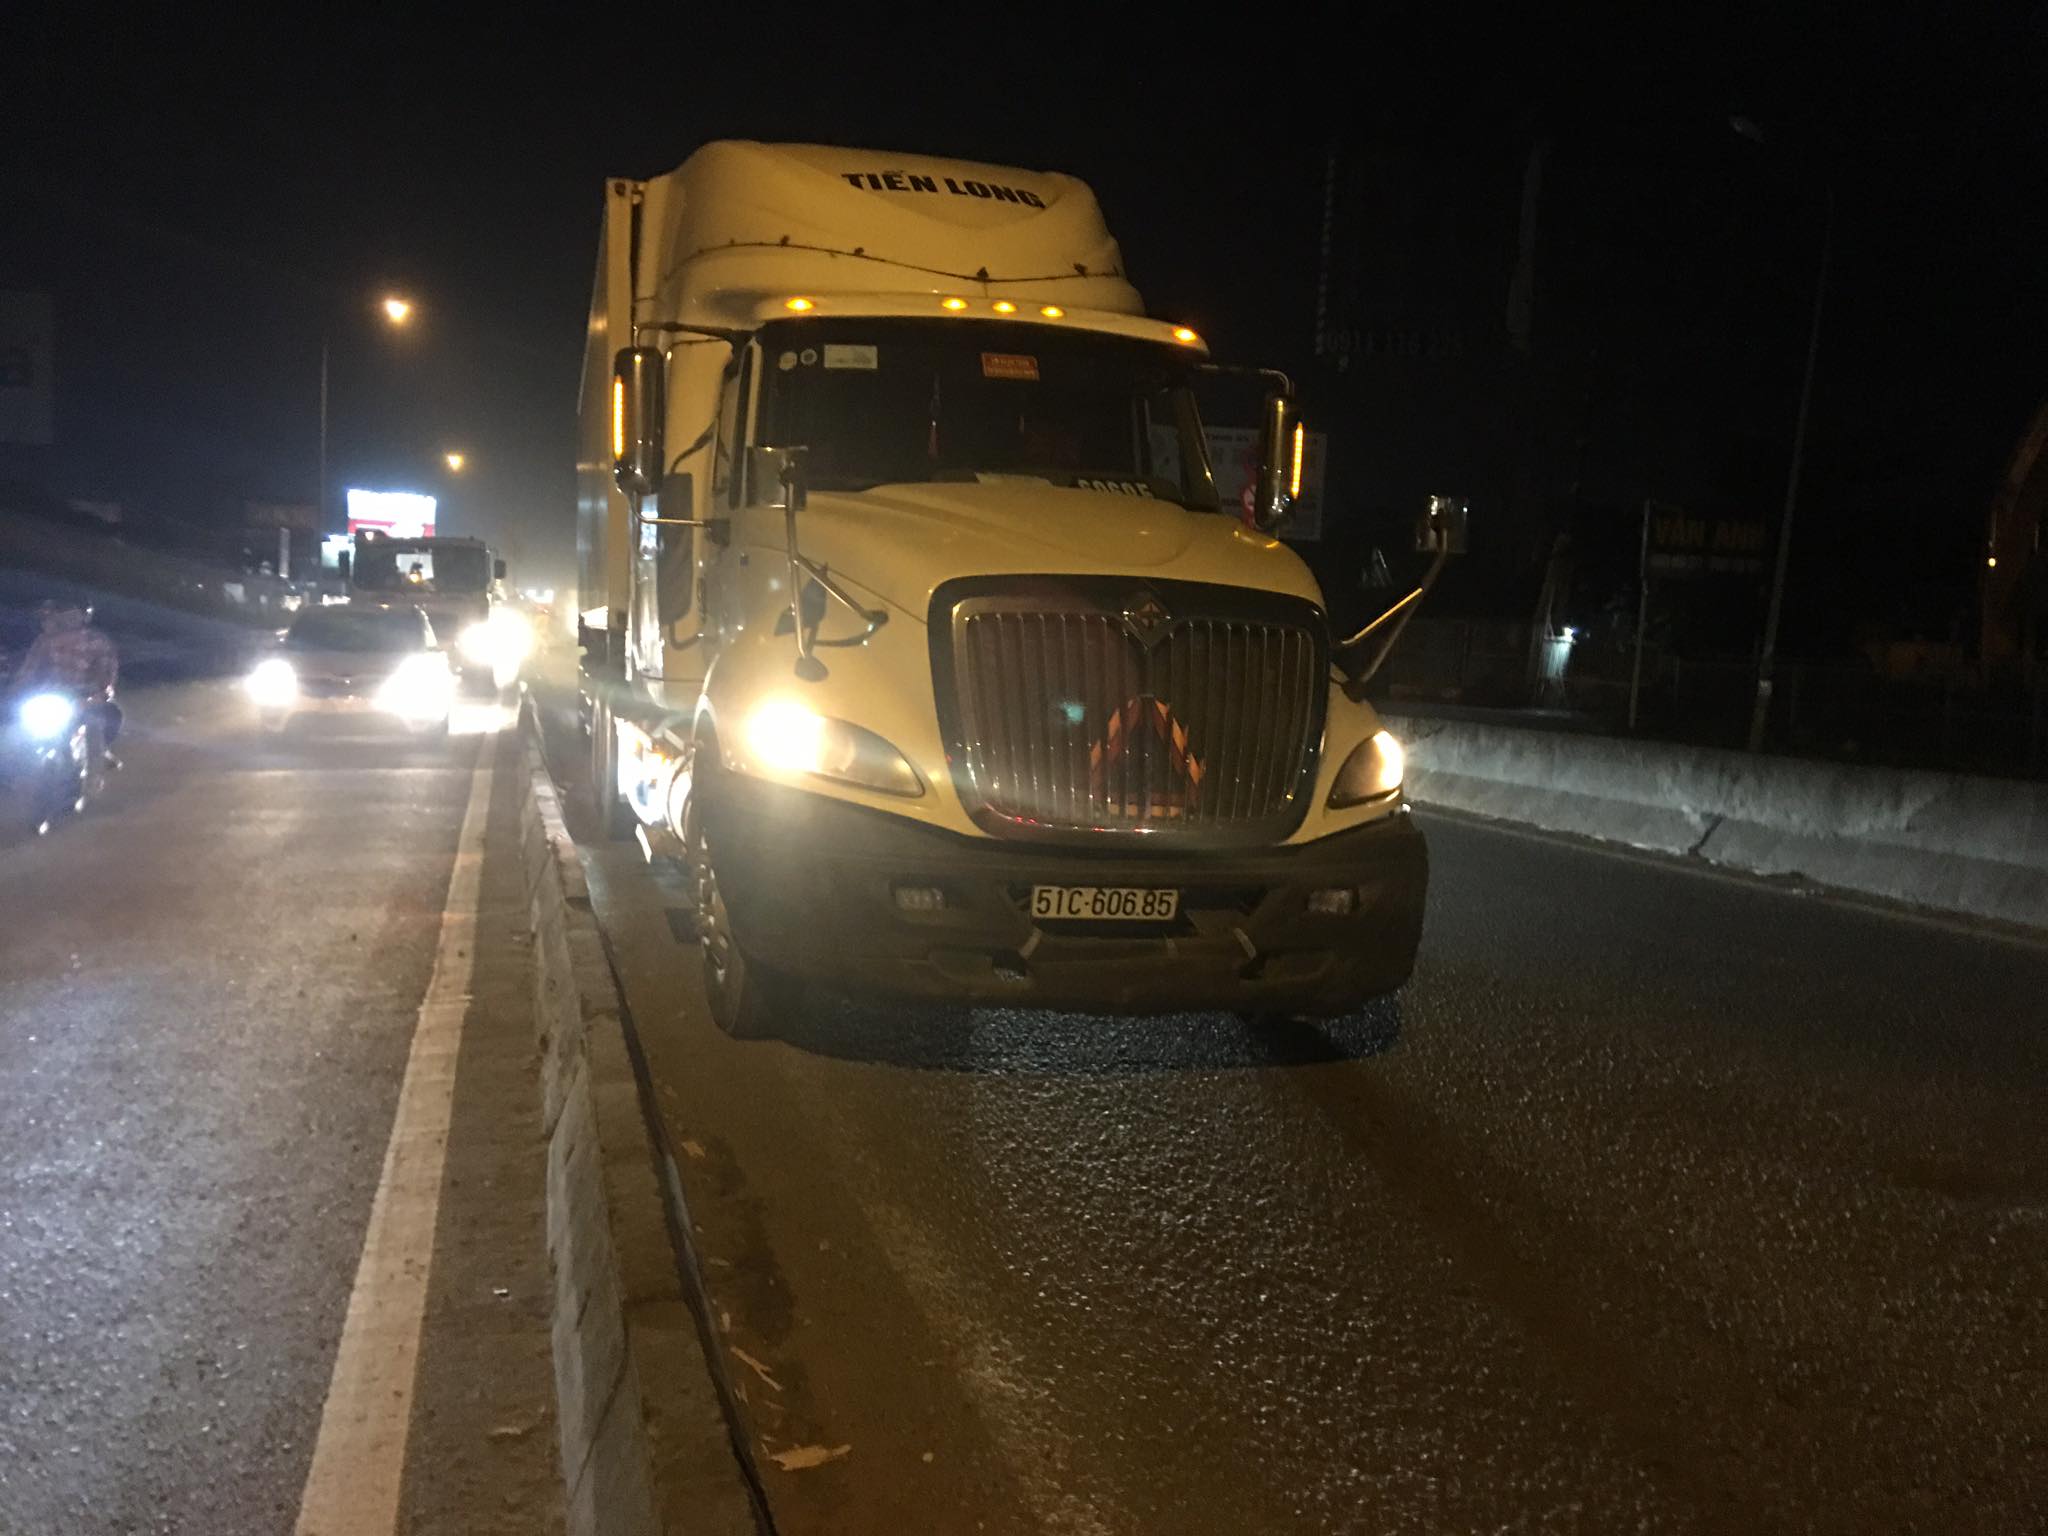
1952, 842
636, 1405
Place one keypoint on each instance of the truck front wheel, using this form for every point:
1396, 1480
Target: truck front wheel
746, 999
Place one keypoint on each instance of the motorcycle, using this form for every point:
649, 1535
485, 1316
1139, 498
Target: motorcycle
58, 753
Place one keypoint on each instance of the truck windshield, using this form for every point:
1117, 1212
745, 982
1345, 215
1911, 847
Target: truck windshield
366, 630
892, 401
390, 565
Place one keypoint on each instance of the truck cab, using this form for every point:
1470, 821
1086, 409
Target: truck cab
459, 585
914, 626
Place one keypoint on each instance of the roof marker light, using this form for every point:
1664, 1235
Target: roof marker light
1005, 307
956, 305
1183, 334
800, 305
1052, 311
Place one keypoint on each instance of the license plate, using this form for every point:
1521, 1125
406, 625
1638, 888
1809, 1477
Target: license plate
331, 704
1106, 903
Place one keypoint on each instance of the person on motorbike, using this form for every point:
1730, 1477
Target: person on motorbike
73, 656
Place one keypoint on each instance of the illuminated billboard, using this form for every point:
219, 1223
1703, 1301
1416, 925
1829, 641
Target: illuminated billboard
401, 514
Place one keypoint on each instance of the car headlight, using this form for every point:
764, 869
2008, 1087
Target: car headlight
420, 689
46, 716
1372, 772
785, 737
273, 684
477, 644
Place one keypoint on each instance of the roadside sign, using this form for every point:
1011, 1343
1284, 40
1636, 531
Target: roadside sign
1681, 543
1234, 455
400, 514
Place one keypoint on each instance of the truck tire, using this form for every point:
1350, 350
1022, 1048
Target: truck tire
614, 817
746, 999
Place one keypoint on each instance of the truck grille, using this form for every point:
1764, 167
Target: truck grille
1164, 709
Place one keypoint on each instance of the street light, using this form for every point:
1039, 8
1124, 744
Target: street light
397, 313
1767, 657
455, 461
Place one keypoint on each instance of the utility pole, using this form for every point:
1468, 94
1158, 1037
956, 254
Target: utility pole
398, 313
320, 503
1635, 671
1767, 658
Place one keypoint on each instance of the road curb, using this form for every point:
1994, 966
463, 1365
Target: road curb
1951, 842
631, 1381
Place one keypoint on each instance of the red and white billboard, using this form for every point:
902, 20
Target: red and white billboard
400, 514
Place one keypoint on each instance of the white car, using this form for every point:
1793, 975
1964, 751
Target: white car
377, 662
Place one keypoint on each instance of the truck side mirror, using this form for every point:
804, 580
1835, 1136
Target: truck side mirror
675, 569
1441, 528
1283, 449
497, 570
638, 408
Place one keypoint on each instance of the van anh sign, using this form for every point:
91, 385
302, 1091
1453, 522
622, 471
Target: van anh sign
1680, 543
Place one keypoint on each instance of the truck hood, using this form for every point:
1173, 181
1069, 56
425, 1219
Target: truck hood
900, 542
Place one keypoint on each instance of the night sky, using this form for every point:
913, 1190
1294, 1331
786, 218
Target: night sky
206, 198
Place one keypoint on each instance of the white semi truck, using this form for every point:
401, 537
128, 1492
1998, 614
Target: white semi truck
913, 625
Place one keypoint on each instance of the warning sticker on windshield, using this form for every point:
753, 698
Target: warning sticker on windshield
846, 354
1008, 365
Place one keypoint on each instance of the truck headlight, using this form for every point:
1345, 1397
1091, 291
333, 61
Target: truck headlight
273, 685
505, 640
478, 645
46, 716
420, 689
786, 737
512, 635
1372, 771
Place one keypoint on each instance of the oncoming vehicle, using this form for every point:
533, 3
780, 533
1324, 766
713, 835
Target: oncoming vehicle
457, 583
378, 663
914, 625
58, 674
54, 754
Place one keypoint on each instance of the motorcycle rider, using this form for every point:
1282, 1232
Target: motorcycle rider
72, 656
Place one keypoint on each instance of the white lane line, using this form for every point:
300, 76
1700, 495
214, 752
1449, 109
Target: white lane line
359, 1458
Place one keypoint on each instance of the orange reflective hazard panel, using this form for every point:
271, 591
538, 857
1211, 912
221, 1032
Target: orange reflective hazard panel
1008, 365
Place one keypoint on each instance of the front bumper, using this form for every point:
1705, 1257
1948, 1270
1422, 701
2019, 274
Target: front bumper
354, 708
810, 884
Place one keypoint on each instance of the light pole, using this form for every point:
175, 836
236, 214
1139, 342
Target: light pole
397, 314
1767, 655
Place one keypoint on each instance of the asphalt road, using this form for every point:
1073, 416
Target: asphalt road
208, 987
1660, 1202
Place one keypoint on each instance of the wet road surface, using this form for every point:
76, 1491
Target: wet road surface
1660, 1201
207, 990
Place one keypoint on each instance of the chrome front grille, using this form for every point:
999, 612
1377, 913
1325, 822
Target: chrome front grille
1173, 709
